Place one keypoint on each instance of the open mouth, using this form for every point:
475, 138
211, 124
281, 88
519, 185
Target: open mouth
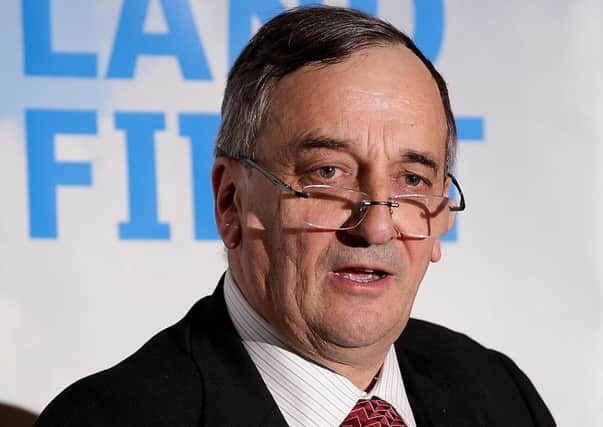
361, 275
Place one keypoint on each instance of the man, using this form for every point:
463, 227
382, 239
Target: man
332, 167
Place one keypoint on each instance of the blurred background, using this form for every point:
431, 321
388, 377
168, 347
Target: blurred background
108, 112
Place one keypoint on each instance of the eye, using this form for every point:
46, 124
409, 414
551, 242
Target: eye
412, 180
329, 171
326, 172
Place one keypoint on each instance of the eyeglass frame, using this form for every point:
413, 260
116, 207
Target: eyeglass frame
363, 204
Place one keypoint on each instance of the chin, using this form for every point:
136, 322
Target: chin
364, 330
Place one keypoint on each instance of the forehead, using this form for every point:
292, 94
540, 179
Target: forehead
378, 97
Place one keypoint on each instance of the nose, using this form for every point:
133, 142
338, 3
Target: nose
377, 227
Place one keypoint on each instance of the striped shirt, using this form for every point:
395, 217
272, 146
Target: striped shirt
307, 394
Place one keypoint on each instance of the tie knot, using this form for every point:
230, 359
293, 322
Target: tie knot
374, 412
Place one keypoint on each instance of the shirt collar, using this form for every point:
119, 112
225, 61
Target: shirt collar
297, 383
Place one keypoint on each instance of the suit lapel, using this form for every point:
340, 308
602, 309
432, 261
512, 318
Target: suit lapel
437, 396
234, 393
428, 399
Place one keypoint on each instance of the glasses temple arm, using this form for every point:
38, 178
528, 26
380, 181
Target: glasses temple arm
276, 181
461, 206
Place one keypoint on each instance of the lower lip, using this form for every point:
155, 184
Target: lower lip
374, 287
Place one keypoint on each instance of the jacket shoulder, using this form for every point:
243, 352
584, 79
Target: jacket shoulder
480, 380
157, 385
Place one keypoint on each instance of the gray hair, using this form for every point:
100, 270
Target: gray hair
302, 36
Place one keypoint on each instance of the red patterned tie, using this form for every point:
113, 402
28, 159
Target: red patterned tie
373, 413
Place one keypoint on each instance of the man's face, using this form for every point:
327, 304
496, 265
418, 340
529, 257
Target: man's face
375, 123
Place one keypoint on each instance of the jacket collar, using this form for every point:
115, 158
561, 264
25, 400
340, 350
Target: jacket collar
228, 375
230, 378
431, 396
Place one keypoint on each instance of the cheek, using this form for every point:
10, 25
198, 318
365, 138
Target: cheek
304, 268
261, 235
261, 207
293, 278
419, 254
289, 249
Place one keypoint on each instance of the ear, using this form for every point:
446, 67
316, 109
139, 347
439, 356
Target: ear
436, 251
227, 207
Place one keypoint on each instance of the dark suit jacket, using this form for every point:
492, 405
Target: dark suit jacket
197, 372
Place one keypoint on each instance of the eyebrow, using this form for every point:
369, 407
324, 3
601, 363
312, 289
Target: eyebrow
412, 156
313, 142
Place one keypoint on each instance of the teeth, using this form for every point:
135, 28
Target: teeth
360, 276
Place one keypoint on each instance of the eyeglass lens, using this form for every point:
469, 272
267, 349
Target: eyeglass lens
339, 209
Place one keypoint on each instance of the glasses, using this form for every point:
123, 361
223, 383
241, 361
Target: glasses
324, 207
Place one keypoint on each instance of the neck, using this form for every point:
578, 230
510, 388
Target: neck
361, 366
362, 377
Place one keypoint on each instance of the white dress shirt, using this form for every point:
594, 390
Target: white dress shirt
307, 394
